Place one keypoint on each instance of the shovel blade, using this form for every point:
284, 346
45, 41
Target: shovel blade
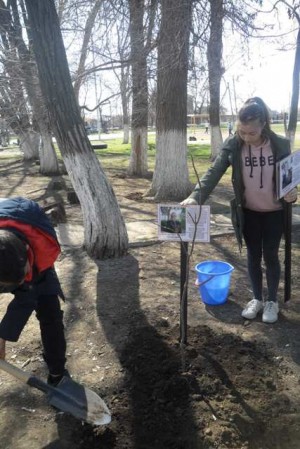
79, 401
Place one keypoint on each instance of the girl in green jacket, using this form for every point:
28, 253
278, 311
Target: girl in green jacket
257, 214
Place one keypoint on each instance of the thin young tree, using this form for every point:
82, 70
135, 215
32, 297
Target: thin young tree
123, 75
88, 31
116, 48
105, 231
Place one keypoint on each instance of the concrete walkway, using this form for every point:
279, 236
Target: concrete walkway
145, 232
138, 232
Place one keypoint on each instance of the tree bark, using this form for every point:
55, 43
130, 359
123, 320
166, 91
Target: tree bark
12, 37
125, 132
171, 179
124, 85
29, 144
292, 125
48, 160
138, 164
105, 231
215, 72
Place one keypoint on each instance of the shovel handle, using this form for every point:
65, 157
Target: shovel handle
14, 371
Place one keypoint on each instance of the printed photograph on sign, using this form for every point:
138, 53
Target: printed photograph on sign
185, 224
172, 219
288, 174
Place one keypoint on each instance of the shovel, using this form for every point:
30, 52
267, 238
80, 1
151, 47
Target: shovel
68, 396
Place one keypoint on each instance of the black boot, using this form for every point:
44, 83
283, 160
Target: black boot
54, 379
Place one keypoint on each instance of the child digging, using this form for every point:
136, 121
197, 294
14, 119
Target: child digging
28, 250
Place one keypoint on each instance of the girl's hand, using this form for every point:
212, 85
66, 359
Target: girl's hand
291, 197
189, 202
2, 348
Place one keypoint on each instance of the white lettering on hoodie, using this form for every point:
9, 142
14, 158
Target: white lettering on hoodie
258, 176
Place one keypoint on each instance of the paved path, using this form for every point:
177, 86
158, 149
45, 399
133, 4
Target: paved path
145, 232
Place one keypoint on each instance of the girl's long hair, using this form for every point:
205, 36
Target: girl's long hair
255, 109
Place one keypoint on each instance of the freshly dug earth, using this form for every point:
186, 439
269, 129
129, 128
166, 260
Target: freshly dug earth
235, 384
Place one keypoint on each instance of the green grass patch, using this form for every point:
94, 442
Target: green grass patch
116, 157
197, 150
200, 154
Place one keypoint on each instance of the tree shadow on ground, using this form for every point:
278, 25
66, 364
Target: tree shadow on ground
159, 414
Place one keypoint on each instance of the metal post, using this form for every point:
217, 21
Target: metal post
288, 250
183, 291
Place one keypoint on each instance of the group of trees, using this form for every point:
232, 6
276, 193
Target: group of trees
52, 52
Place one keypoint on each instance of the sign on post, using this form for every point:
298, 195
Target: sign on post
287, 174
183, 224
186, 224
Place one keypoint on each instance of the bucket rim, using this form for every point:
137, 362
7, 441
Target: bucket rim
230, 267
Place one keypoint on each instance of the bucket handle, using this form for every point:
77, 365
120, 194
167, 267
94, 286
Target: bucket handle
199, 284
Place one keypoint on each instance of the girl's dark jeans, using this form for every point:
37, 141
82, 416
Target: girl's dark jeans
262, 233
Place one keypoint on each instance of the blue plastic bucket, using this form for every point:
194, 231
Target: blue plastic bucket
213, 279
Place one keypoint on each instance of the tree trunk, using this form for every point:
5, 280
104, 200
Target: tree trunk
12, 35
292, 125
125, 133
215, 72
125, 107
105, 231
48, 160
29, 145
139, 122
171, 179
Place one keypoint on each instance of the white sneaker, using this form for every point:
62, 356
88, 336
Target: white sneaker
270, 313
252, 309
